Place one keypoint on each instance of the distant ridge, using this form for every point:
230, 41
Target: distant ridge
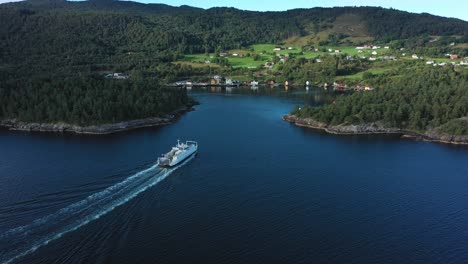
105, 5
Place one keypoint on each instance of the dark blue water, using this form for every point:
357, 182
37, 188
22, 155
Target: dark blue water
259, 191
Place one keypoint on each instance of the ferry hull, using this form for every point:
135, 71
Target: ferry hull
173, 164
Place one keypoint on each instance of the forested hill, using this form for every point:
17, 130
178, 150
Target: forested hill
60, 34
104, 5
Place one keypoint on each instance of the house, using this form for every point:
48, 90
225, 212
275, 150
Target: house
452, 44
368, 88
229, 82
375, 47
330, 50
388, 58
278, 48
386, 47
442, 64
454, 57
374, 53
429, 62
216, 80
337, 51
316, 50
235, 55
359, 51
359, 48
372, 59
414, 56
119, 76
464, 63
318, 60
223, 54
290, 48
269, 65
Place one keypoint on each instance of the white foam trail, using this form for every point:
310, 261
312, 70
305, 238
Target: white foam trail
24, 240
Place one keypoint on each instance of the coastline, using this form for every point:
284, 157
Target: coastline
103, 129
374, 129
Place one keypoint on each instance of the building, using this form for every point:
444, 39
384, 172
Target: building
454, 57
429, 62
223, 54
217, 79
374, 53
269, 65
278, 48
414, 56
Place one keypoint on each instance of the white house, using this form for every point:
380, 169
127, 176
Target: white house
290, 48
372, 59
414, 56
386, 47
235, 54
429, 62
374, 53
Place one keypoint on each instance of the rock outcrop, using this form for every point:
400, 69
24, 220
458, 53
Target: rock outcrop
376, 128
103, 129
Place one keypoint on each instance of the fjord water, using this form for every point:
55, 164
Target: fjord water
259, 191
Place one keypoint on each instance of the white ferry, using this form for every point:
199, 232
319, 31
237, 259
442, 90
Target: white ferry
179, 153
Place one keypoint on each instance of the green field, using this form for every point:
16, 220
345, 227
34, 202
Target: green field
267, 54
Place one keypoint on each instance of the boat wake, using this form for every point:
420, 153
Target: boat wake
21, 241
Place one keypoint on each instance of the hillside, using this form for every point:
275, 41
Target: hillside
117, 35
128, 7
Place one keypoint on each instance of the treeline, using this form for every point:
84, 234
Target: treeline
423, 99
86, 100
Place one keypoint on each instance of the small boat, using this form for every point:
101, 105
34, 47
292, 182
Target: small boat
179, 153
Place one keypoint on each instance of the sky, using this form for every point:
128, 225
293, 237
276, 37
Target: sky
447, 8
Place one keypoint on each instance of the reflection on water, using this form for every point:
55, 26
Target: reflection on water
310, 95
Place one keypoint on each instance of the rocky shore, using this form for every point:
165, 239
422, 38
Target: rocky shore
376, 128
103, 129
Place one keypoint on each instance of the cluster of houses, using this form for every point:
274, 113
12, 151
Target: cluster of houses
279, 48
225, 54
370, 47
116, 75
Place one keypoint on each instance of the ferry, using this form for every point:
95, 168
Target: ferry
179, 153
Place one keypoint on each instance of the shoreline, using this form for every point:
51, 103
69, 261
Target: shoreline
103, 129
376, 129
